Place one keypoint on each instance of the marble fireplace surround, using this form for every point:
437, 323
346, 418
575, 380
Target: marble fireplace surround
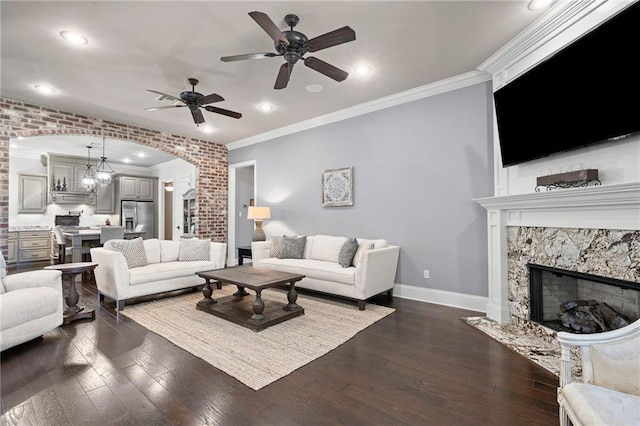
592, 229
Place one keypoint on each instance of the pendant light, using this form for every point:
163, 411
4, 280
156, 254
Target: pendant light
89, 179
105, 172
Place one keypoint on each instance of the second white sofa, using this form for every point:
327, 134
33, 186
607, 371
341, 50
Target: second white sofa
372, 271
124, 273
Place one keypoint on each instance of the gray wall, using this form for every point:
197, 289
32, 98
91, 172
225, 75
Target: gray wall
244, 192
416, 168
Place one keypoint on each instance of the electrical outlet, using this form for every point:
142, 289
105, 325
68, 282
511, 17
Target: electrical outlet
426, 274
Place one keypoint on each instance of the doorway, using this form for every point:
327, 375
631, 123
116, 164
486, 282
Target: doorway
242, 189
168, 209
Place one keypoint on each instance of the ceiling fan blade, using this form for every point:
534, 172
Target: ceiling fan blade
333, 38
198, 118
164, 107
209, 99
269, 26
327, 69
248, 56
283, 76
164, 96
226, 112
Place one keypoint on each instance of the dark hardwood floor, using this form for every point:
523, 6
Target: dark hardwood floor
420, 365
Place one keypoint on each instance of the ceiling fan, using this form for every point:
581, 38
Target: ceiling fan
194, 101
293, 45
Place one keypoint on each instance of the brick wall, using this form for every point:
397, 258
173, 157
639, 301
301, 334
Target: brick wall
211, 159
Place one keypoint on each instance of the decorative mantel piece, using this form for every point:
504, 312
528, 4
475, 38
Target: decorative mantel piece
573, 179
603, 207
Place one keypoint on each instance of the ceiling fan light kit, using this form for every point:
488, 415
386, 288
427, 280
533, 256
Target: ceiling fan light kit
293, 45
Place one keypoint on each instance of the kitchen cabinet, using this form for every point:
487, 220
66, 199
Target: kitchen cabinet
65, 177
105, 199
32, 194
137, 188
12, 255
33, 246
189, 213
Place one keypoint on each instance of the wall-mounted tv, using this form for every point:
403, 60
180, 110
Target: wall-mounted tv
584, 94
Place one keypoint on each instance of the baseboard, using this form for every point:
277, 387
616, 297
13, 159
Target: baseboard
441, 297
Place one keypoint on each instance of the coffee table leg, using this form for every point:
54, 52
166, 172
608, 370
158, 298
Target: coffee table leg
292, 296
258, 307
207, 291
241, 292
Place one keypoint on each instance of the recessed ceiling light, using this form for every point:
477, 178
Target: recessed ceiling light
141, 155
315, 88
539, 4
265, 107
43, 88
208, 129
74, 38
363, 70
126, 161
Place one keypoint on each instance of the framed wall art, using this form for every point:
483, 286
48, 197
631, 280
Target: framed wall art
337, 187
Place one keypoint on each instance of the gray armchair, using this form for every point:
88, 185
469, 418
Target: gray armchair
30, 305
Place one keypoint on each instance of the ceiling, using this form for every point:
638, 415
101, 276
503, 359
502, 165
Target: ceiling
138, 45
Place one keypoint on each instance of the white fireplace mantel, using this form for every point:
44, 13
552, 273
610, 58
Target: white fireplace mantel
598, 207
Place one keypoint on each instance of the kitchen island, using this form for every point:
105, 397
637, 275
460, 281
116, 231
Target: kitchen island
81, 239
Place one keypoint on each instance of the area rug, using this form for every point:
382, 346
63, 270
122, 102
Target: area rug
256, 358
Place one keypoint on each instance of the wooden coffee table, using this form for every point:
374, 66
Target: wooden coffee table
244, 311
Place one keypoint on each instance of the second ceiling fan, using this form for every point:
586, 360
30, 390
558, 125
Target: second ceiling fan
293, 45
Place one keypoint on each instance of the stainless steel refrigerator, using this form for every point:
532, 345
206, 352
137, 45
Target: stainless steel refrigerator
138, 216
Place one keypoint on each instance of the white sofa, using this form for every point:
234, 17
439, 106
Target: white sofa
373, 274
609, 393
163, 271
30, 305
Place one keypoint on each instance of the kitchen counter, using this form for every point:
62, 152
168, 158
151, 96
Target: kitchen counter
18, 228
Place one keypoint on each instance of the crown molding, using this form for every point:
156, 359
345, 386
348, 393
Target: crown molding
442, 86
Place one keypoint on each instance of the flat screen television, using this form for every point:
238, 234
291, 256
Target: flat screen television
586, 93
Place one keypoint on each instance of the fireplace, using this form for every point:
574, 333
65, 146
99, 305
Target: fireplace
578, 302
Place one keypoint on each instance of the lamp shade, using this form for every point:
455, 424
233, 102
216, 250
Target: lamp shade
259, 213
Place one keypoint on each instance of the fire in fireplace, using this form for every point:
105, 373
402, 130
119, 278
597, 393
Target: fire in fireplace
577, 302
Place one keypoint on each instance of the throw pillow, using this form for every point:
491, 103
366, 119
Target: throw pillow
192, 249
362, 247
348, 250
293, 248
276, 247
133, 251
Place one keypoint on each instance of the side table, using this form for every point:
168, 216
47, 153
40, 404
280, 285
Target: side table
69, 271
244, 253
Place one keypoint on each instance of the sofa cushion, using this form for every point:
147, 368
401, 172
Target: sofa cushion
379, 243
133, 251
152, 250
167, 270
3, 273
317, 269
192, 249
362, 247
276, 246
348, 250
292, 247
326, 247
169, 251
23, 305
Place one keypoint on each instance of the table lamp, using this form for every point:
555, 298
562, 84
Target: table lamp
258, 214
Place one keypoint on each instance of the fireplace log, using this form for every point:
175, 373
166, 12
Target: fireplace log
590, 316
